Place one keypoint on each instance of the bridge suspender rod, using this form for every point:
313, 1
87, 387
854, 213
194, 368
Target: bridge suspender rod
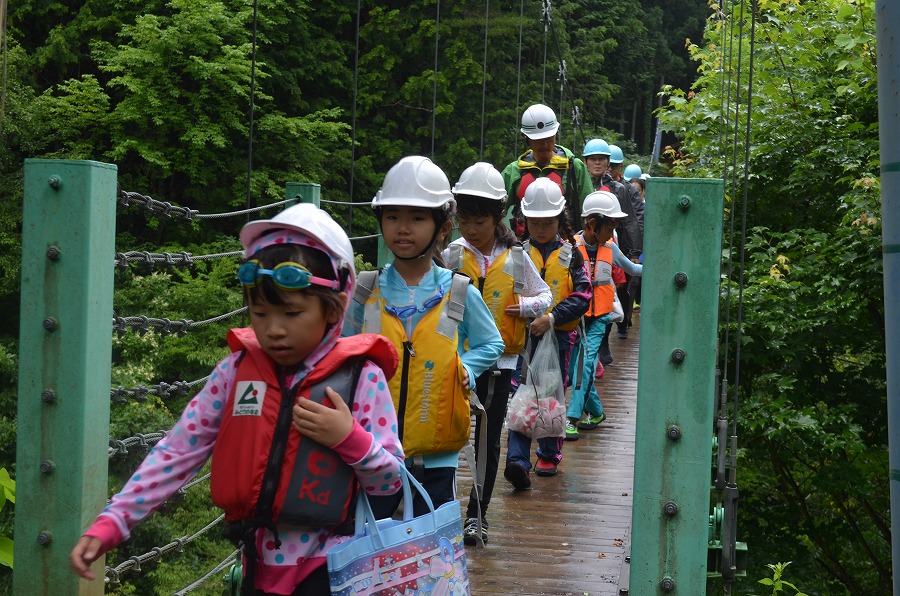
437, 39
487, 5
353, 122
888, 43
545, 16
518, 82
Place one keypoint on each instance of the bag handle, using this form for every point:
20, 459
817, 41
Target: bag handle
365, 518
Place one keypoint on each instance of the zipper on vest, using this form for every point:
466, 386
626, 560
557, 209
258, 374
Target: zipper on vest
480, 285
276, 453
408, 352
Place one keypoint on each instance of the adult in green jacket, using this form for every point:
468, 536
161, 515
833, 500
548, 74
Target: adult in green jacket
544, 158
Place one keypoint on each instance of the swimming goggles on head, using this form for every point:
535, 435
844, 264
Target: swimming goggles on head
404, 312
287, 276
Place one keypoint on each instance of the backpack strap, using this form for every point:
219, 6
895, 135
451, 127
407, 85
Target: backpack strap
455, 307
455, 257
515, 267
366, 283
565, 255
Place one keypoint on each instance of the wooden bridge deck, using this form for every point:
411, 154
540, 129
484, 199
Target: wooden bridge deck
571, 533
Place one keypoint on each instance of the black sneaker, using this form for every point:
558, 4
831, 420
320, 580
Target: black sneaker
470, 531
517, 476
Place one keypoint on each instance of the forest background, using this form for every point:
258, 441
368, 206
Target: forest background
162, 90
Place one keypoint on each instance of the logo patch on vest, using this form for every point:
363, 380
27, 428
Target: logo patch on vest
428, 380
248, 398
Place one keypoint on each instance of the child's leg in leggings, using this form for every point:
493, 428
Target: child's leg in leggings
593, 336
495, 415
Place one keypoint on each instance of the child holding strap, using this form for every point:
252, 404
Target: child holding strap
277, 388
489, 254
550, 246
429, 314
601, 214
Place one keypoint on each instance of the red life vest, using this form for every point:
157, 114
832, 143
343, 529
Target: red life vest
244, 442
529, 177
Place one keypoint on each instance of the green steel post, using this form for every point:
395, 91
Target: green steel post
65, 352
676, 386
309, 192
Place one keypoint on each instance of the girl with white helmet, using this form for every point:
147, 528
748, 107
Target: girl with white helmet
601, 214
514, 292
431, 316
551, 246
277, 403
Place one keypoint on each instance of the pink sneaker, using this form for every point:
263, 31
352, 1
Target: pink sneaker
600, 370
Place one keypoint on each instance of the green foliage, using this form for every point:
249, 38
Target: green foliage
812, 419
776, 582
7, 495
163, 90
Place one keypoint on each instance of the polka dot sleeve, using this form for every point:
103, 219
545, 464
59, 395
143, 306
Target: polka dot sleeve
373, 447
178, 457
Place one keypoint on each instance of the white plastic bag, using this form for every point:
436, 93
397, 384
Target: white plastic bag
617, 315
538, 408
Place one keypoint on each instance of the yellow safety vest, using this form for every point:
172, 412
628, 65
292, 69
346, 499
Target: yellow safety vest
555, 271
499, 288
433, 414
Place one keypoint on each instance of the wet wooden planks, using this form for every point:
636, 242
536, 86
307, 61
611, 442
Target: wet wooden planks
569, 534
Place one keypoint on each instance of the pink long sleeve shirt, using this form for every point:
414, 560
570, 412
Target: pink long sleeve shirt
372, 448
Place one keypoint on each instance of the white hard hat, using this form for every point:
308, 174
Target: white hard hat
481, 180
312, 221
543, 198
415, 181
539, 122
602, 202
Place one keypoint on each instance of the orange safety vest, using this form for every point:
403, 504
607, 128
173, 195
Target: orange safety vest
604, 290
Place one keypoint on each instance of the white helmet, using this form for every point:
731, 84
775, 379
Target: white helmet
539, 122
543, 198
481, 180
312, 221
415, 181
602, 202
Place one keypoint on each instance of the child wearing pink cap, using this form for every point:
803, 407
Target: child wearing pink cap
272, 420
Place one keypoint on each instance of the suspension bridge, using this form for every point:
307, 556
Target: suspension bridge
662, 533
65, 446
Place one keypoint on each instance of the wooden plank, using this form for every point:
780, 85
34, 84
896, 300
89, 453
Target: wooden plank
570, 534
